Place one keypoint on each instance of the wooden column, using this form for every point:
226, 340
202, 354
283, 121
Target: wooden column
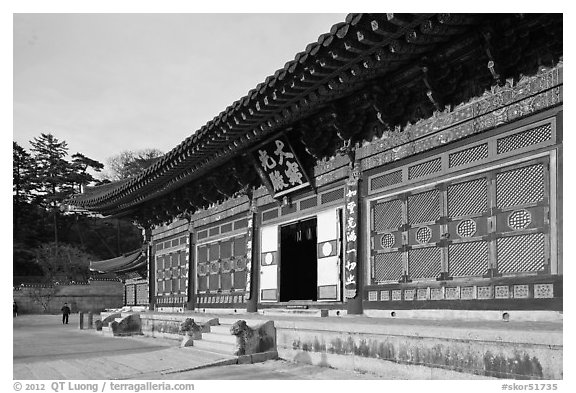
191, 287
151, 268
253, 253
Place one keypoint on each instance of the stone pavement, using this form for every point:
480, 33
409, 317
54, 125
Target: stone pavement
46, 349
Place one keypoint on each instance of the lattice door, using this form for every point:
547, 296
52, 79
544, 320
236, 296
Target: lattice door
222, 265
468, 215
406, 232
522, 208
424, 230
497, 221
388, 259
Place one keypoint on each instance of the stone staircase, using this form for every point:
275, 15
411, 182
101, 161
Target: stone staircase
218, 340
249, 344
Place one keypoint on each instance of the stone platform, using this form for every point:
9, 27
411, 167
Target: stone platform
413, 348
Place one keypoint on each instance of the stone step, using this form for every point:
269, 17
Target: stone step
107, 331
221, 329
213, 346
216, 337
295, 312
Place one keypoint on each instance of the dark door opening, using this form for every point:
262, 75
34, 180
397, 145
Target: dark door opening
298, 261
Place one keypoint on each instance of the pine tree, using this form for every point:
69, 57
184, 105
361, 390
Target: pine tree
80, 175
52, 179
23, 172
43, 179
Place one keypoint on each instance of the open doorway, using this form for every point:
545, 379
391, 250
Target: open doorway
298, 261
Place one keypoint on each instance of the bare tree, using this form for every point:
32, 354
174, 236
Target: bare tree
129, 163
43, 296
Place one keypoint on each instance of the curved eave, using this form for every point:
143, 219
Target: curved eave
124, 264
363, 47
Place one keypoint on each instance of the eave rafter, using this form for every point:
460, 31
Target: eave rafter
396, 67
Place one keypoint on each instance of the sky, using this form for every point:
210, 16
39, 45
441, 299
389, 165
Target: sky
105, 83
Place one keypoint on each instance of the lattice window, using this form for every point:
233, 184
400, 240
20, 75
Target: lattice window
202, 235
243, 223
226, 281
523, 253
203, 269
468, 259
519, 219
240, 246
203, 283
141, 294
425, 168
467, 156
424, 207
423, 235
520, 186
289, 209
240, 278
226, 249
388, 266
467, 198
466, 228
202, 254
387, 215
130, 294
523, 139
214, 251
386, 180
332, 196
270, 214
308, 203
214, 282
226, 228
214, 231
424, 262
387, 240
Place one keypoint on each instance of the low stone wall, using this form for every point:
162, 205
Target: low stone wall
94, 296
168, 325
443, 351
416, 350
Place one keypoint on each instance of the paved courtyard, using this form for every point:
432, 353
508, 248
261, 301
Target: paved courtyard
44, 348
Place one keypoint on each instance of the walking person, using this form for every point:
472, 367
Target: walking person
65, 312
15, 309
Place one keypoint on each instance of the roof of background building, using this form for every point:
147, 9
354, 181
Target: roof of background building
128, 262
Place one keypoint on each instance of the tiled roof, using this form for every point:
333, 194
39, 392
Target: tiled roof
351, 54
129, 262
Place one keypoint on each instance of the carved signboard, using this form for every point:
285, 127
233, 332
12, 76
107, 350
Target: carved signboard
279, 167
